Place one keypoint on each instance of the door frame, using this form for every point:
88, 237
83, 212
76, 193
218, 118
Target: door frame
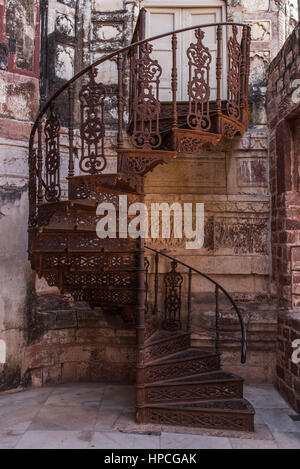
186, 4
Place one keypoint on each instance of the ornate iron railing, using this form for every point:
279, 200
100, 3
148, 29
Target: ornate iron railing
172, 298
83, 100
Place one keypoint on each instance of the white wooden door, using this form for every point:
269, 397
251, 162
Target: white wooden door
161, 20
158, 21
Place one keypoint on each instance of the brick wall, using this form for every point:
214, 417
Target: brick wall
288, 372
283, 115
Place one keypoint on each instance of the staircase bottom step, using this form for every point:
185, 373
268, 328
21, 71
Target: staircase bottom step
231, 414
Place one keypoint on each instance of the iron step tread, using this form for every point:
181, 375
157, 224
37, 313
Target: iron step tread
203, 378
213, 405
162, 336
73, 203
182, 356
78, 251
112, 182
67, 229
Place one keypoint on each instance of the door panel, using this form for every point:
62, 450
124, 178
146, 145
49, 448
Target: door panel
163, 20
195, 16
160, 20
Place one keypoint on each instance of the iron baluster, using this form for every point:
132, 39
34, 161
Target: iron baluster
147, 265
247, 66
243, 71
189, 303
32, 188
217, 320
146, 104
219, 68
52, 162
71, 130
234, 86
92, 129
120, 100
173, 285
174, 80
155, 307
199, 60
40, 162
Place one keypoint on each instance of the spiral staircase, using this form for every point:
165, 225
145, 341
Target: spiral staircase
176, 383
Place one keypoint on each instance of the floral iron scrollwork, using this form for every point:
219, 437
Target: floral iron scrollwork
146, 105
52, 162
234, 75
199, 60
173, 284
92, 130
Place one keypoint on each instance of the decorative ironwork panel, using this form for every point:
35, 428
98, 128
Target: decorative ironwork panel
104, 279
173, 345
83, 242
32, 187
52, 163
178, 370
193, 392
173, 284
105, 296
234, 75
199, 60
98, 262
177, 417
146, 105
92, 130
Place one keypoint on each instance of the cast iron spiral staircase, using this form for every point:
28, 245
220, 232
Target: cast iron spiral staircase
176, 383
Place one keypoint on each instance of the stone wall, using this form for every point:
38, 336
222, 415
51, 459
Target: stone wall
288, 370
68, 342
19, 100
283, 115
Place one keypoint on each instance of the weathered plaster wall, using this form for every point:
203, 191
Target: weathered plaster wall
19, 95
70, 342
65, 341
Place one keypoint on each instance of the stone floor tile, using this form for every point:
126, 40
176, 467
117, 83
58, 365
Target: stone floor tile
118, 440
287, 440
9, 439
28, 397
238, 443
118, 396
107, 418
76, 418
86, 395
179, 441
278, 420
17, 417
54, 440
264, 397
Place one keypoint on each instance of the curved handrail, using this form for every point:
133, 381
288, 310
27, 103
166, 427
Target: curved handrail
217, 285
116, 53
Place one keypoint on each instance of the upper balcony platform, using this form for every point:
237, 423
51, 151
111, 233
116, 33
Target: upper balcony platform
211, 75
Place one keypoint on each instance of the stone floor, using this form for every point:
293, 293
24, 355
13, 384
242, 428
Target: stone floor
102, 416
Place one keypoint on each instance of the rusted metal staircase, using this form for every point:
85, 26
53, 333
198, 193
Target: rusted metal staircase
176, 383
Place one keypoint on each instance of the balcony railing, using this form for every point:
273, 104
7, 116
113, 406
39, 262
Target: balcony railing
74, 120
